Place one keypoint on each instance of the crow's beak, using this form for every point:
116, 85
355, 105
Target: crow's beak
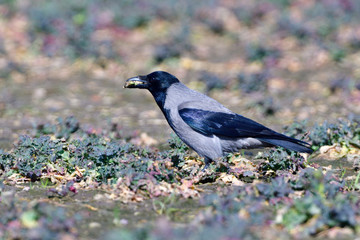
136, 82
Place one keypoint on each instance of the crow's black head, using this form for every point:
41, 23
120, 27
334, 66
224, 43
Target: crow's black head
155, 82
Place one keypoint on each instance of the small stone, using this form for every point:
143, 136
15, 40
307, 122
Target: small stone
39, 93
122, 221
94, 225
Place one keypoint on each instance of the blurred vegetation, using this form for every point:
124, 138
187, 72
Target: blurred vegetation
68, 27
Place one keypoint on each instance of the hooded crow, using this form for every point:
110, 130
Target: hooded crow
204, 124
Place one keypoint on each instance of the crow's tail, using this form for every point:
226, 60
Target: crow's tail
289, 143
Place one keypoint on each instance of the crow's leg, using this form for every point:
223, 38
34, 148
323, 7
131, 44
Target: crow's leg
207, 163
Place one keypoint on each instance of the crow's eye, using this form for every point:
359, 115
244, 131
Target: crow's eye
154, 81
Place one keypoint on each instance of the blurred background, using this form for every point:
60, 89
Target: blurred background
275, 61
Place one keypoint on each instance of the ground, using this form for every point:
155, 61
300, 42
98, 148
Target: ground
99, 161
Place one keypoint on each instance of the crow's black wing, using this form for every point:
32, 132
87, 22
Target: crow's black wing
223, 124
236, 126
